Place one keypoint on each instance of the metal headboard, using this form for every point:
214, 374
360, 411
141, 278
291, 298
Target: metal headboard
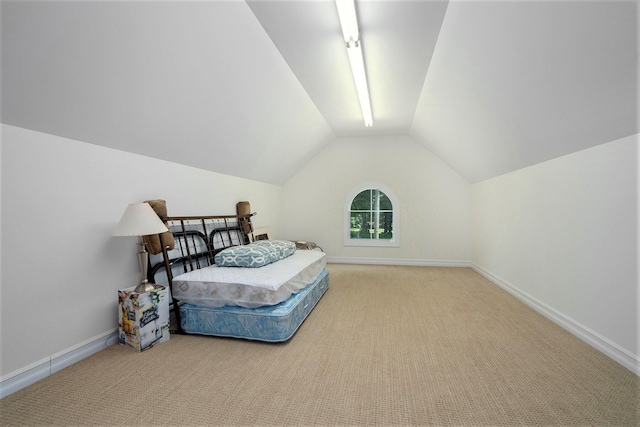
197, 239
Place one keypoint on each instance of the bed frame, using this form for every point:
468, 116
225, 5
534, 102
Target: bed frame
197, 239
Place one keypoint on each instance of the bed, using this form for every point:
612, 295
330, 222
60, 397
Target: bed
223, 284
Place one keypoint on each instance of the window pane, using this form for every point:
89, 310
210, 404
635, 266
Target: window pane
374, 198
362, 202
386, 225
385, 203
370, 218
360, 224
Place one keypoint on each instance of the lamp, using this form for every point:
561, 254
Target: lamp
349, 24
139, 219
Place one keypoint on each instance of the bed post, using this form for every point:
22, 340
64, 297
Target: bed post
167, 267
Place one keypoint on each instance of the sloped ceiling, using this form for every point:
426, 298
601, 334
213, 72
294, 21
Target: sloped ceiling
197, 83
398, 39
513, 84
255, 89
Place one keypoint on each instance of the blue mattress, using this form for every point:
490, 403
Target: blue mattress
268, 323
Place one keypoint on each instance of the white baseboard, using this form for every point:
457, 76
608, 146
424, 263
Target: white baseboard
604, 345
388, 261
17, 380
56, 362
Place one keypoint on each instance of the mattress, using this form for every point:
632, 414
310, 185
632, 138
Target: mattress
216, 286
275, 323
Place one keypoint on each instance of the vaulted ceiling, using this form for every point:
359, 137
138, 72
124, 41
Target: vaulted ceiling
257, 88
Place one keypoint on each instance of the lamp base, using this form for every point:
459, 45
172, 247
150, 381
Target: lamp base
143, 259
145, 287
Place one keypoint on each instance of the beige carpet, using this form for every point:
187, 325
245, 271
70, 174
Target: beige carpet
385, 346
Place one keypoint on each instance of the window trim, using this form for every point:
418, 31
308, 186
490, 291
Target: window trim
346, 236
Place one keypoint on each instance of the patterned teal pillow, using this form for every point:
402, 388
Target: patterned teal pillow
256, 254
281, 248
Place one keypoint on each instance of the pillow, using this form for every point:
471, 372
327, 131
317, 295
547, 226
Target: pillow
281, 248
153, 241
256, 254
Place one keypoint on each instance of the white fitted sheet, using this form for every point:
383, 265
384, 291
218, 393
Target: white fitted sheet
271, 284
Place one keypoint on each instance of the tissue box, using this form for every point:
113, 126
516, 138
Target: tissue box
143, 318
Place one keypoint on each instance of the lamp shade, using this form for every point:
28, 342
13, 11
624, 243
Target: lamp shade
139, 219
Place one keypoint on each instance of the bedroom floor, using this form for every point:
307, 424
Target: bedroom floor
386, 345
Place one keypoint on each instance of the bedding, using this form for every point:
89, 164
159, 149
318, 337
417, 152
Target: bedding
275, 323
256, 254
152, 241
266, 303
217, 286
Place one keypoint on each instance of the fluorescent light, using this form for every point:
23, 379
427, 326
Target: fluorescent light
348, 20
360, 77
349, 24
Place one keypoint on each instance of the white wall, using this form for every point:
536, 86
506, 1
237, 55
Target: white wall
434, 200
61, 268
563, 234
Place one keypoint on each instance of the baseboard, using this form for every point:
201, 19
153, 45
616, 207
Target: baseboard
408, 262
604, 345
40, 370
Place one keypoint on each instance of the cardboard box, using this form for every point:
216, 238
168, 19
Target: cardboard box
143, 318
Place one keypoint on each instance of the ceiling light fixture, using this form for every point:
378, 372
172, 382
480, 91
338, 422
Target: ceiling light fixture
349, 24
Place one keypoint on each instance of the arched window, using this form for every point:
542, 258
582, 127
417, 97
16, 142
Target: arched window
372, 217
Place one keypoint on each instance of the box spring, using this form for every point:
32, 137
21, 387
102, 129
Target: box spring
268, 323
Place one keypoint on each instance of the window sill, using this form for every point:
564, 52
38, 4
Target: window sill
372, 243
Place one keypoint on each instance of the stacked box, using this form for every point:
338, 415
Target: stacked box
143, 318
